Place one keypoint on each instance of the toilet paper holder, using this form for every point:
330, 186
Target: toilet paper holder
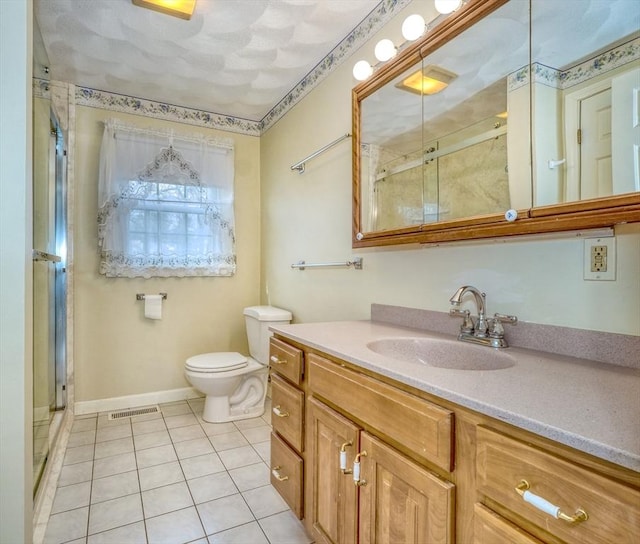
140, 296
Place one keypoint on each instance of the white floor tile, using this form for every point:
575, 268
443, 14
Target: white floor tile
190, 432
153, 425
80, 425
105, 434
71, 497
250, 533
224, 513
192, 448
213, 429
116, 464
264, 451
239, 457
160, 475
264, 501
78, 454
74, 474
166, 499
249, 423
113, 447
175, 409
228, 441
107, 515
284, 528
112, 487
201, 465
175, 527
155, 456
128, 534
67, 526
257, 434
213, 486
180, 421
251, 476
151, 440
82, 438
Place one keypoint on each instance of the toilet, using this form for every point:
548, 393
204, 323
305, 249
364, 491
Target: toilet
235, 385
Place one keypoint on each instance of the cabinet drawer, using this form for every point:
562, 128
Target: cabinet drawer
287, 417
421, 426
286, 474
612, 508
286, 360
490, 528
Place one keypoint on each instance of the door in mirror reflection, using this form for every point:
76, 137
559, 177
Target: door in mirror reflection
585, 92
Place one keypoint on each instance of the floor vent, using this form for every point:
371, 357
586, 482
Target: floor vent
134, 412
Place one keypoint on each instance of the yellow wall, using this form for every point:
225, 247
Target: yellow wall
117, 351
308, 217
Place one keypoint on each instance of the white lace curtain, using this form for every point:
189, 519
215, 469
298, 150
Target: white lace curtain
165, 204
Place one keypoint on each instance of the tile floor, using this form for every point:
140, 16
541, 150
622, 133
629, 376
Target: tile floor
169, 478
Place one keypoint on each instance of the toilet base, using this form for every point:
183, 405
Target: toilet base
218, 410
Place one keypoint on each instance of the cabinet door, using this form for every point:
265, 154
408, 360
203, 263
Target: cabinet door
331, 495
400, 501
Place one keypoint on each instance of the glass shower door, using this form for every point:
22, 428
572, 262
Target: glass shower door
49, 286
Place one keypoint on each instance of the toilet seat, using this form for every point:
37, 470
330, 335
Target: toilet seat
223, 361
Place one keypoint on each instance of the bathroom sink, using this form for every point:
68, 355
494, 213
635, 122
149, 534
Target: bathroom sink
441, 353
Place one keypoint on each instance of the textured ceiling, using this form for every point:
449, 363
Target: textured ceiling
234, 57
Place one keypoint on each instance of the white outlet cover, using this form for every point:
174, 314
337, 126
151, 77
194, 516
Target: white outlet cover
610, 274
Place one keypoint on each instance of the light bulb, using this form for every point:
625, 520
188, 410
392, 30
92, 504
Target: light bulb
362, 70
413, 27
447, 6
385, 50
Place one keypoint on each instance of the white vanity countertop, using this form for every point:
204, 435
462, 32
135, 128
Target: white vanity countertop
593, 407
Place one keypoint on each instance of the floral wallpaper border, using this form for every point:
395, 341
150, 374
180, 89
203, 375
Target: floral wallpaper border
94, 98
559, 79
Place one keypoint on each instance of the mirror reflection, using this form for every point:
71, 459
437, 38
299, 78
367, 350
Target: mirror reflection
491, 124
585, 84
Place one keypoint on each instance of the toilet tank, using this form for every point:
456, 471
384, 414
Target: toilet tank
257, 320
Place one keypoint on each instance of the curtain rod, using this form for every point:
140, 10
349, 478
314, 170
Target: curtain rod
299, 166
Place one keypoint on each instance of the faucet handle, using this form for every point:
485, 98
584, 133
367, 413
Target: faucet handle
467, 323
496, 330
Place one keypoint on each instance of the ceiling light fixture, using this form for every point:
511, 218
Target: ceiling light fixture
428, 80
177, 8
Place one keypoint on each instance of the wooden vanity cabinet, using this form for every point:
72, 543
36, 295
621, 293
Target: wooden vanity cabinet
396, 498
287, 422
424, 479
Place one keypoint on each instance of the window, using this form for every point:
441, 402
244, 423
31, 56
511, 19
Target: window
165, 205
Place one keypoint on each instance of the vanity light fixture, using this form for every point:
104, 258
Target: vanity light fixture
385, 50
362, 70
447, 6
428, 80
413, 27
177, 8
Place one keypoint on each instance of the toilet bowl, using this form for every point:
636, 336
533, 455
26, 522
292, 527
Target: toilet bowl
236, 385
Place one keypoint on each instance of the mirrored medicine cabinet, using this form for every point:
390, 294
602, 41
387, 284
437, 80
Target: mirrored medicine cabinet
527, 105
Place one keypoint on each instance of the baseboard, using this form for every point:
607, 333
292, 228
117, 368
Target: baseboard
134, 401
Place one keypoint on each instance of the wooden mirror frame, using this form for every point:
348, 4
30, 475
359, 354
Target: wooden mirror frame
583, 214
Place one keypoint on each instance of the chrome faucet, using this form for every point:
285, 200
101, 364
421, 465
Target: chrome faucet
487, 332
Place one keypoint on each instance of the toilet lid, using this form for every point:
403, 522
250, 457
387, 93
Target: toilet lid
217, 362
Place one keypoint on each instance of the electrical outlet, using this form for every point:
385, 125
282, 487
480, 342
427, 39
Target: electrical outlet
600, 259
